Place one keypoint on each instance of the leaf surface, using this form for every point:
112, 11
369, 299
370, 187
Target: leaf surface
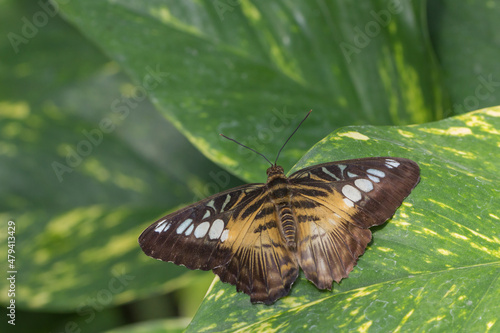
254, 69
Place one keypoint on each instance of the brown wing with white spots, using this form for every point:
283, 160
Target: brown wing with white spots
194, 236
234, 233
335, 204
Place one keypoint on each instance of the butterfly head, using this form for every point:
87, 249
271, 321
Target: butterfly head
275, 170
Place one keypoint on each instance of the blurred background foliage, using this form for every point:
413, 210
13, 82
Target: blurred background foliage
91, 152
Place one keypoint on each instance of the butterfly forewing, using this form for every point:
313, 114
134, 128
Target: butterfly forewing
367, 190
200, 236
335, 204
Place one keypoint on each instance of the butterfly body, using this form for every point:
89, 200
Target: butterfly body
280, 196
256, 236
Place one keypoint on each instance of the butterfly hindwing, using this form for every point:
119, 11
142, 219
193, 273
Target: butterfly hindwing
262, 266
328, 246
335, 204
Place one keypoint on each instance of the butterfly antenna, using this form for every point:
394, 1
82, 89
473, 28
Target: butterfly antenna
246, 147
307, 115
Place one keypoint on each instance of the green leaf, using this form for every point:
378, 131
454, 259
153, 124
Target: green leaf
80, 196
80, 227
157, 326
468, 52
434, 266
258, 67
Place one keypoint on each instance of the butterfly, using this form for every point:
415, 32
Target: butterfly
257, 236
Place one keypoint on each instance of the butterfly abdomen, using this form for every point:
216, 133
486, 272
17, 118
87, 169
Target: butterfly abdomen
280, 195
288, 226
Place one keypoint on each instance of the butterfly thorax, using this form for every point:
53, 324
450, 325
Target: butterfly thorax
280, 195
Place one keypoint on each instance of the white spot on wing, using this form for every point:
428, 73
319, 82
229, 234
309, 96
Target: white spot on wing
374, 179
162, 226
189, 230
228, 198
351, 193
207, 214
364, 185
348, 202
211, 204
352, 175
376, 172
183, 226
201, 230
392, 163
216, 229
325, 170
224, 235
